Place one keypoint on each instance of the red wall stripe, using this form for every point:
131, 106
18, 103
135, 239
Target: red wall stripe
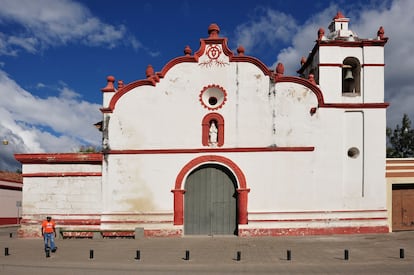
9, 187
61, 174
214, 150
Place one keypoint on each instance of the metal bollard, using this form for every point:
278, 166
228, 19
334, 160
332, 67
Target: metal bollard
6, 251
11, 235
91, 254
47, 253
187, 255
402, 253
238, 256
288, 255
346, 254
138, 255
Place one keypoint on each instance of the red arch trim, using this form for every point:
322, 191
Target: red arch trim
302, 81
179, 191
208, 159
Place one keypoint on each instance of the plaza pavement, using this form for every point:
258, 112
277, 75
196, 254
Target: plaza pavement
367, 254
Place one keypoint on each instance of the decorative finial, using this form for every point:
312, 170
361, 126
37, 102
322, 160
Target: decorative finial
311, 78
280, 69
213, 30
120, 84
149, 71
187, 50
321, 34
339, 15
302, 60
240, 50
110, 85
380, 33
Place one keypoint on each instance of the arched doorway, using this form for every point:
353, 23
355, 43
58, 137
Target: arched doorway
210, 201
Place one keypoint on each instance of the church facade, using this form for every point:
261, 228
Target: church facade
216, 143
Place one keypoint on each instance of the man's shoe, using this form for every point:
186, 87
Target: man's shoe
54, 250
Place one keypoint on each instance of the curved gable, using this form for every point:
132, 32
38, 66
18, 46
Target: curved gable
207, 45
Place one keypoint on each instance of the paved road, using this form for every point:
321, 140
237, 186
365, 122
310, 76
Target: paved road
367, 254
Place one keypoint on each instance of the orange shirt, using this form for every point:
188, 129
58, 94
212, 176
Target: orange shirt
48, 227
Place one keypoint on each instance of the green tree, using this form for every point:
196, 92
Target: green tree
401, 140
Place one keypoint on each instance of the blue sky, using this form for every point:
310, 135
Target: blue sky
55, 55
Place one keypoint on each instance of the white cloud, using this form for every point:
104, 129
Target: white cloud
52, 124
266, 27
46, 23
397, 20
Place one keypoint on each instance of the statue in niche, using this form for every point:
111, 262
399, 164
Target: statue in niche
213, 134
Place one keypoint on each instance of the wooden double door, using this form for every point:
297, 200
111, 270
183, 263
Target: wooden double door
210, 202
402, 207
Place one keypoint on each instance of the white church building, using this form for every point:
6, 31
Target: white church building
217, 143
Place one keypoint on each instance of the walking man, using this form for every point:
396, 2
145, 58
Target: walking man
49, 234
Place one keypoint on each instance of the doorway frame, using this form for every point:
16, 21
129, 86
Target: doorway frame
242, 190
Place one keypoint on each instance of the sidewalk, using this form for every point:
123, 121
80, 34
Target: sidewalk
367, 254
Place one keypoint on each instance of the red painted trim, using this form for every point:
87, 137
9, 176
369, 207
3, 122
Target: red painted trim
351, 44
118, 233
163, 233
62, 222
206, 88
137, 221
140, 214
61, 158
318, 219
205, 124
304, 82
319, 96
187, 59
324, 212
336, 43
400, 167
373, 65
9, 220
211, 150
12, 181
209, 159
78, 222
179, 183
249, 59
399, 174
9, 187
392, 161
255, 232
355, 105
61, 174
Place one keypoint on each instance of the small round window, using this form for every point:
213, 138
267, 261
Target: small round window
353, 152
213, 97
212, 101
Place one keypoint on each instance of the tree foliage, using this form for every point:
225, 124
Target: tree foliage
401, 140
89, 149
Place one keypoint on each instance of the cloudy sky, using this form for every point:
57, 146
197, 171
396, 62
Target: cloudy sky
55, 54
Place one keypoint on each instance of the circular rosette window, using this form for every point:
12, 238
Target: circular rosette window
213, 97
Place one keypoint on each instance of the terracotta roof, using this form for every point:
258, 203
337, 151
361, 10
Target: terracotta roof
11, 176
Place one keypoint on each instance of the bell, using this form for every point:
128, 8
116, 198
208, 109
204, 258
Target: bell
348, 74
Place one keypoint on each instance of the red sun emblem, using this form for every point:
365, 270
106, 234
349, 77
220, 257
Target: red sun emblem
213, 52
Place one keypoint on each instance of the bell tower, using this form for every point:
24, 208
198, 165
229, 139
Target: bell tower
347, 68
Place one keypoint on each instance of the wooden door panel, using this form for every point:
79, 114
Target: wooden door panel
210, 202
402, 207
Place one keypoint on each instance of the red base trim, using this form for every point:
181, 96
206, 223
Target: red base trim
311, 231
163, 233
9, 221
